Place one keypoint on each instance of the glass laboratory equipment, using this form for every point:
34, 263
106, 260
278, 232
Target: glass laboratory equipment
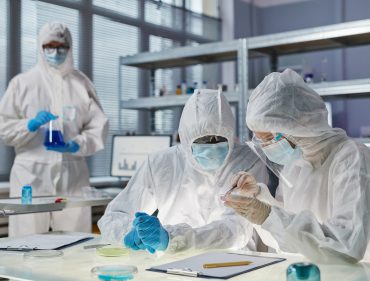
26, 194
54, 135
303, 271
114, 272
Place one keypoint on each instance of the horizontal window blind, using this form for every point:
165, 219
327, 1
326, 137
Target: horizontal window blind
3, 45
125, 7
5, 151
165, 121
164, 15
110, 41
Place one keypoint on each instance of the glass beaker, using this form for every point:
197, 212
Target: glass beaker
54, 135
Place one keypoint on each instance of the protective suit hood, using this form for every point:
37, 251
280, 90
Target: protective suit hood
284, 103
207, 112
55, 31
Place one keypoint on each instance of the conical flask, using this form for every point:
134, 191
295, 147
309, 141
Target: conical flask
54, 135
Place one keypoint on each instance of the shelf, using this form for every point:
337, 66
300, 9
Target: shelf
184, 56
345, 87
311, 39
164, 102
337, 88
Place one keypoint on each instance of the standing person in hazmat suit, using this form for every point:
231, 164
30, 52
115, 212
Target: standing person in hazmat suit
322, 207
32, 100
184, 183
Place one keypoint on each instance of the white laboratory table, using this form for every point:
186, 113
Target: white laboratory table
77, 263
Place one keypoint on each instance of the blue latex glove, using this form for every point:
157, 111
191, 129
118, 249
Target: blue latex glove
133, 241
70, 147
41, 118
151, 232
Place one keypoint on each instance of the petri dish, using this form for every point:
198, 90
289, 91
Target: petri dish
111, 251
114, 272
43, 254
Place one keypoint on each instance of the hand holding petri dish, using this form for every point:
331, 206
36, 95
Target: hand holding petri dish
244, 186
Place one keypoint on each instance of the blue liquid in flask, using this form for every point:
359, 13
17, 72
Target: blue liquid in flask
54, 139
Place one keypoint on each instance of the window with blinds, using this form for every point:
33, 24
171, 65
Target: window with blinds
3, 47
5, 152
166, 80
125, 7
110, 41
163, 14
34, 15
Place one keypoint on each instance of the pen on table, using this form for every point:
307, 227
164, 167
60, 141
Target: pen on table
226, 264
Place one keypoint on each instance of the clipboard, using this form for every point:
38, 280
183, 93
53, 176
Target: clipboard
193, 266
47, 241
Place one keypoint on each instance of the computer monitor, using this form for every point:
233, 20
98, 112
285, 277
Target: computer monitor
129, 152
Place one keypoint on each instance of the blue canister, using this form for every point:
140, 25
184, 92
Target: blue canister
27, 194
303, 271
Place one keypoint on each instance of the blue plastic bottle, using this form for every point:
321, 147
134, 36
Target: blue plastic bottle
303, 271
27, 194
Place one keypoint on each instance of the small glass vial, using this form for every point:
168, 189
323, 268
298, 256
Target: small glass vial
27, 194
303, 271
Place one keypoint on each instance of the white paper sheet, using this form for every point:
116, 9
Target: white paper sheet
43, 241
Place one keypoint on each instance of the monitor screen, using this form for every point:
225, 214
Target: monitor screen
129, 152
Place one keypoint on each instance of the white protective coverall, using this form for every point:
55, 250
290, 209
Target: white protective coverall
325, 215
51, 173
187, 196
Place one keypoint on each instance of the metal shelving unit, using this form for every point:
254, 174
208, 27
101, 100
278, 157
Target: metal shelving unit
153, 103
235, 50
305, 40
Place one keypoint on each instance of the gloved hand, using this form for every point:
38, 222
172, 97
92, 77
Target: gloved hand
252, 209
133, 241
242, 198
151, 232
243, 185
70, 147
41, 118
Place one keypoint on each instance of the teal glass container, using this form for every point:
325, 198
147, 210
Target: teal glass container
303, 271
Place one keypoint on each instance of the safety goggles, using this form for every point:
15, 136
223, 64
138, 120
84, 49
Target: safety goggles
210, 139
265, 142
60, 50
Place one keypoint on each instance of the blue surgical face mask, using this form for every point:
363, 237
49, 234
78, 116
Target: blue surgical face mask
55, 58
282, 152
210, 156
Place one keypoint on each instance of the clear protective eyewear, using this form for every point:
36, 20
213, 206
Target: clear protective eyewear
263, 143
256, 146
60, 50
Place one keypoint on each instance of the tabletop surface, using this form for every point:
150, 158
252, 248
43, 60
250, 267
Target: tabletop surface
77, 262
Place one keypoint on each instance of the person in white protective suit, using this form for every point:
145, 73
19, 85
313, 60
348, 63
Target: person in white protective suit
184, 183
33, 99
322, 202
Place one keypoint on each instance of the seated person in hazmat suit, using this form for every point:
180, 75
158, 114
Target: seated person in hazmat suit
184, 183
322, 207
